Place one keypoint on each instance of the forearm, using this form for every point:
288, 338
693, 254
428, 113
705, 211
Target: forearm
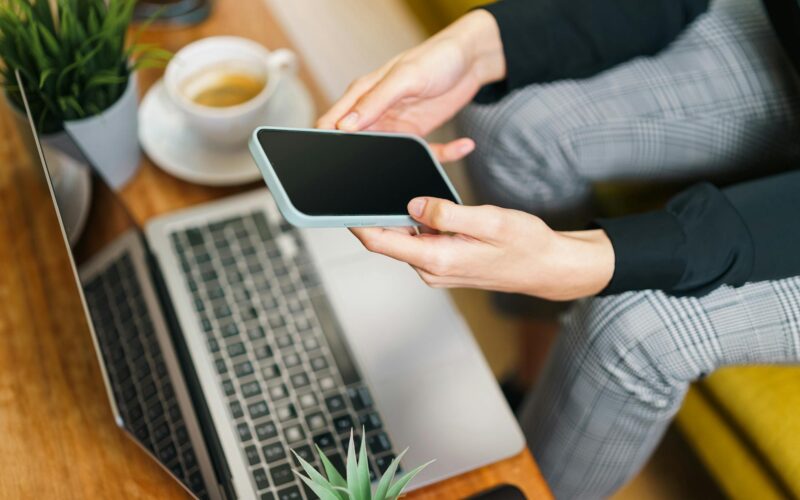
478, 34
580, 264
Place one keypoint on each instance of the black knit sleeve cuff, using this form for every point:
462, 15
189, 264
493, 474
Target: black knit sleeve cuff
522, 46
647, 252
696, 244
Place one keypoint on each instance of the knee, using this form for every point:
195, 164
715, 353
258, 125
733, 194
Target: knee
520, 160
630, 349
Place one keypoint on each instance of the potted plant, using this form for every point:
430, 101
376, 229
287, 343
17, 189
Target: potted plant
356, 485
78, 71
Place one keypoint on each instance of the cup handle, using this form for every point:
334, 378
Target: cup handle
283, 60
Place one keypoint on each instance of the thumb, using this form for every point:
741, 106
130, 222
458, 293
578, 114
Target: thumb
372, 105
442, 215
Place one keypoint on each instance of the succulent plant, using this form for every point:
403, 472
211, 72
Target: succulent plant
357, 485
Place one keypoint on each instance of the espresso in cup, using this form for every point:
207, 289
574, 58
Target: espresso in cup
222, 88
225, 86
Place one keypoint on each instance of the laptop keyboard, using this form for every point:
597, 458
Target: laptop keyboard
281, 361
141, 385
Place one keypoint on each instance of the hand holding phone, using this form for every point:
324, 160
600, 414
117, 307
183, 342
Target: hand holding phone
322, 178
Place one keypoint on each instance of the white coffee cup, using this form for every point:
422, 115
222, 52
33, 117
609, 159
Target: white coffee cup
231, 125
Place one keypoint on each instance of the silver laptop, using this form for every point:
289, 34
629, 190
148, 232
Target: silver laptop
228, 338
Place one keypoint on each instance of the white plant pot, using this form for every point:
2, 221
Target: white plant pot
110, 140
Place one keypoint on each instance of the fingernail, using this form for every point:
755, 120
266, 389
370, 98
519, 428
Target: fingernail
417, 206
465, 148
349, 122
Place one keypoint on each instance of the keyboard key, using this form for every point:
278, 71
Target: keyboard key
167, 453
181, 435
305, 453
213, 346
274, 452
269, 496
251, 389
189, 458
228, 387
371, 421
160, 432
244, 432
142, 433
260, 477
195, 237
291, 493
266, 430
335, 403
255, 332
379, 443
258, 409
327, 383
243, 369
356, 441
383, 462
284, 341
294, 433
316, 422
360, 397
300, 380
236, 349
286, 412
325, 440
222, 311
281, 475
252, 455
236, 409
270, 372
277, 392
155, 410
291, 360
310, 343
196, 481
221, 368
319, 363
343, 423
276, 321
308, 400
337, 460
263, 352
229, 329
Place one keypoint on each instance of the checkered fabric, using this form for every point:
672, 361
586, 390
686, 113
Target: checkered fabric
622, 365
721, 101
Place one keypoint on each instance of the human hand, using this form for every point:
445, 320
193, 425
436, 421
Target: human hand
425, 86
496, 249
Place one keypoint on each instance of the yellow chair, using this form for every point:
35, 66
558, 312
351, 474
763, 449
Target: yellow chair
743, 422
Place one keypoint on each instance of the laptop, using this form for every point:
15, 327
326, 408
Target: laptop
228, 338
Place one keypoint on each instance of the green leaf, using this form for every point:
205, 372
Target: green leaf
334, 477
352, 470
322, 492
388, 477
365, 486
397, 488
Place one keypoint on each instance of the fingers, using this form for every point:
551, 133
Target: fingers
401, 246
343, 105
483, 222
454, 150
397, 84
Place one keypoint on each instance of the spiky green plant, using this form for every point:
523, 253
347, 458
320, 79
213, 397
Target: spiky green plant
357, 485
72, 54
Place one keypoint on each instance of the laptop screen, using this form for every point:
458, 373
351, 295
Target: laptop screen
108, 252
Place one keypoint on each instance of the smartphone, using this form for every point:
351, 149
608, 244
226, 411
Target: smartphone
322, 178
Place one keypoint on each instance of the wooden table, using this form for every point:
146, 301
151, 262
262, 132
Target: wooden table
58, 438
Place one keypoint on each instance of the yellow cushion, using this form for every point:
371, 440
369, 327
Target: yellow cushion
744, 423
436, 14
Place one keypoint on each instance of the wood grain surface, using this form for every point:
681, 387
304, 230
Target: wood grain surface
58, 438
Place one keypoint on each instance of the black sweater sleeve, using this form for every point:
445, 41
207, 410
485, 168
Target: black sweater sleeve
707, 237
546, 40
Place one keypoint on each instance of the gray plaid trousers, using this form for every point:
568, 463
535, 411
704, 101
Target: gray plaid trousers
720, 102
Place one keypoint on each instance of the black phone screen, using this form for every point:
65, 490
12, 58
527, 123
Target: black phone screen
328, 174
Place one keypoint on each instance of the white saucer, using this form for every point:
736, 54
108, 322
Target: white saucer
174, 147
